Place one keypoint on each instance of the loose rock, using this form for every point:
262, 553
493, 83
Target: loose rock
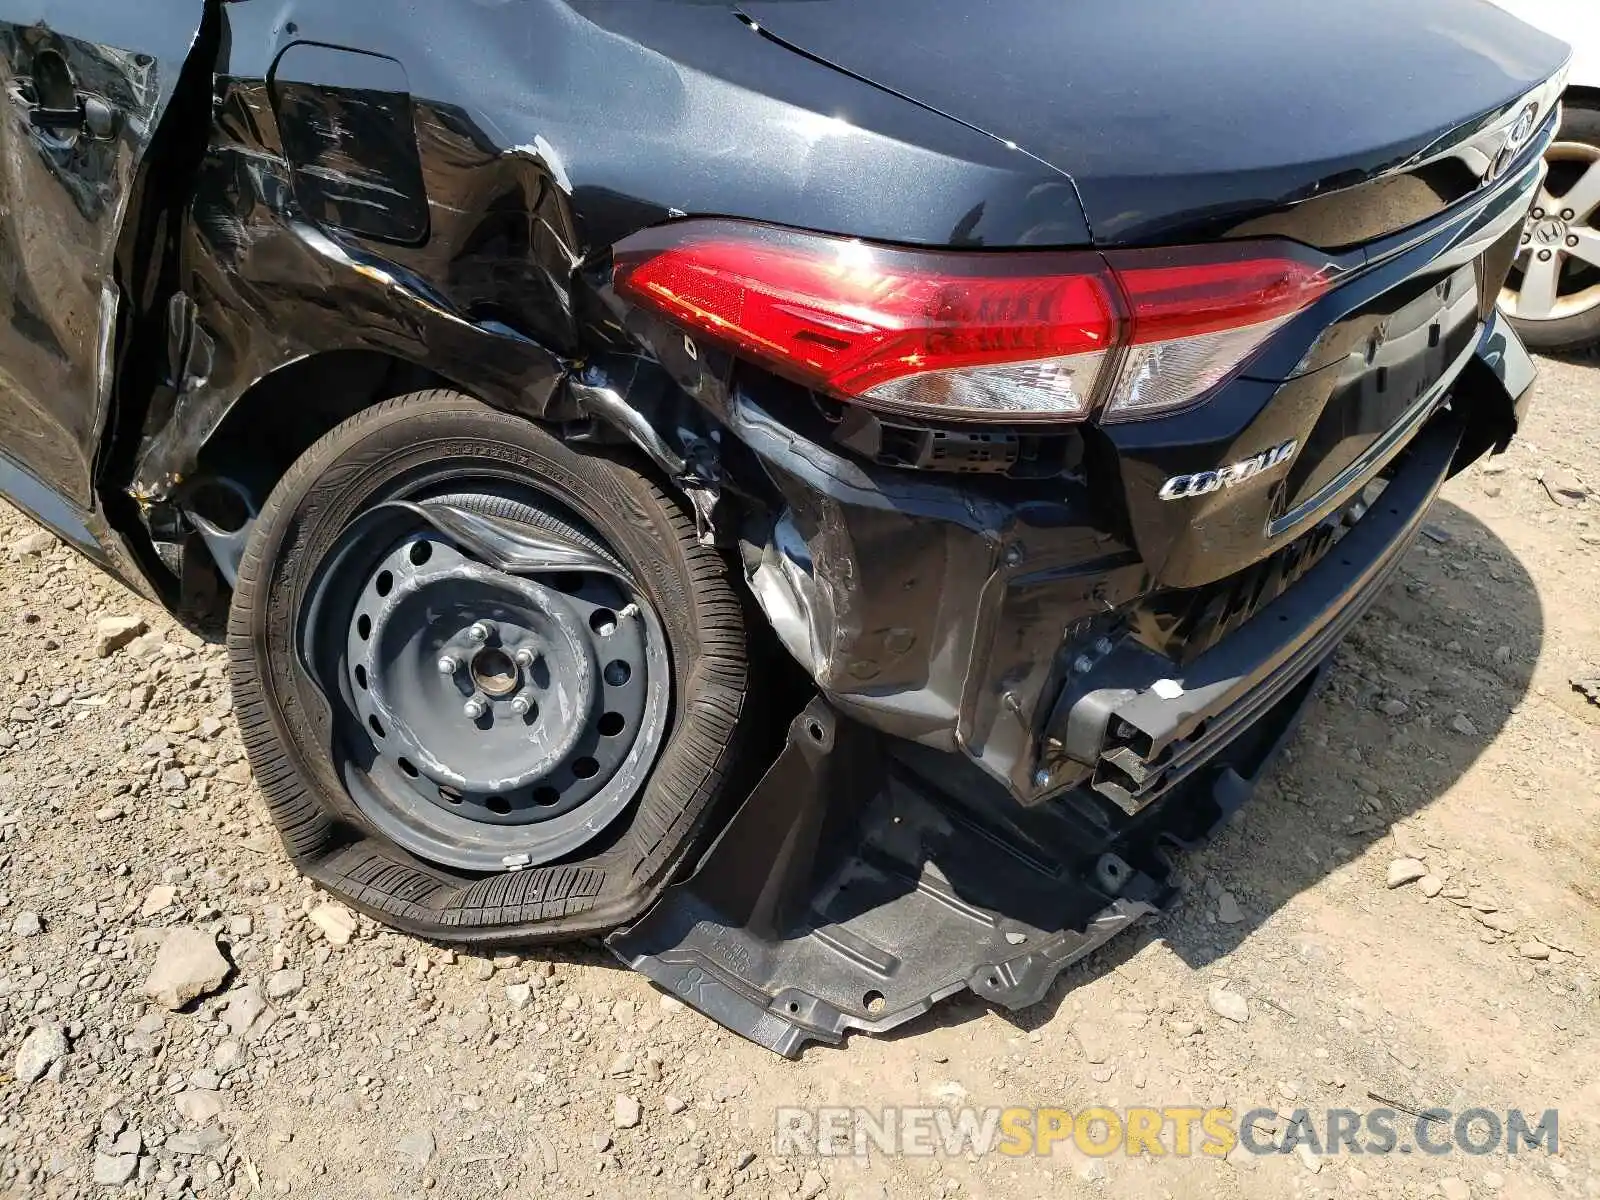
1503, 921
283, 984
338, 923
1405, 870
1093, 1040
27, 924
160, 898
199, 1107
228, 1056
114, 1170
39, 1051
417, 1147
195, 1141
625, 1112
113, 633
1227, 1003
188, 965
244, 1006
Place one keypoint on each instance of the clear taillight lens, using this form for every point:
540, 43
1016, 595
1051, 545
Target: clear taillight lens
1001, 336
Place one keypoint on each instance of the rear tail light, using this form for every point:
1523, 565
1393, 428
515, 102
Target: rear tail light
1009, 336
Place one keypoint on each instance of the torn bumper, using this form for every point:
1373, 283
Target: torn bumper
1000, 619
970, 658
866, 878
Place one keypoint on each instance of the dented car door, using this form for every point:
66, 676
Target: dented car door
86, 85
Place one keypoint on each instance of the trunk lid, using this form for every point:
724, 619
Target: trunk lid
1180, 121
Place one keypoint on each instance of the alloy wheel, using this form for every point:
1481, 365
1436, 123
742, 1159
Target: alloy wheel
1557, 269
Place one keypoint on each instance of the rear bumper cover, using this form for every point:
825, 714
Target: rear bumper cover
869, 875
983, 621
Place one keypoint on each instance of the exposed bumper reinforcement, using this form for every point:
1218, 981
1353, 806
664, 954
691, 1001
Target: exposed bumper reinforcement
1145, 723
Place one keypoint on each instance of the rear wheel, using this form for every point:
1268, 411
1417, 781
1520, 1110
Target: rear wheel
491, 685
1553, 292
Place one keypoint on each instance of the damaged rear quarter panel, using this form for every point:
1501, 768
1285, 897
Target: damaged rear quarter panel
539, 135
543, 132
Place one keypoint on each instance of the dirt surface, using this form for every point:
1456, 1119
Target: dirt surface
321, 1063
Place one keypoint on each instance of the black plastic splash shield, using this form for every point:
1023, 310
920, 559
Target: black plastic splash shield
846, 893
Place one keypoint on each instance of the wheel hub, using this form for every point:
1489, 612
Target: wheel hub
1552, 231
495, 673
510, 715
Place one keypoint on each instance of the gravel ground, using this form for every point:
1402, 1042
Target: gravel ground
181, 1014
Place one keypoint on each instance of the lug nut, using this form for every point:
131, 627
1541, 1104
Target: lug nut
1083, 664
448, 665
520, 705
474, 708
525, 658
481, 631
1572, 239
1567, 214
1544, 256
1538, 214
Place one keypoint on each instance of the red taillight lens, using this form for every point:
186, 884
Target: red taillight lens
1186, 292
973, 334
1198, 313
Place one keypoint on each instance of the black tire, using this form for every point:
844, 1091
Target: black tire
1580, 122
287, 723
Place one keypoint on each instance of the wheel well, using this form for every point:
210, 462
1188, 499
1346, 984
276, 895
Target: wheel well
279, 417
1586, 97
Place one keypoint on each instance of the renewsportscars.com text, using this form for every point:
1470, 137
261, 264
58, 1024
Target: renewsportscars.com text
1178, 1130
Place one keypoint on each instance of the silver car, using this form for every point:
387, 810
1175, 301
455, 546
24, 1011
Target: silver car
1553, 293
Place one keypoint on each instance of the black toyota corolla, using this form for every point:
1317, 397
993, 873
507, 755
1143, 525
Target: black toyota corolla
826, 493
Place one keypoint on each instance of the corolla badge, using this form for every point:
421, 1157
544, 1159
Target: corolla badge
1186, 487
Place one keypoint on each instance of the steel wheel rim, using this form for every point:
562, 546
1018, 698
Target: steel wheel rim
554, 705
1556, 272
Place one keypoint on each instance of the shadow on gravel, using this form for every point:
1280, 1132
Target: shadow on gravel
1421, 688
1579, 358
